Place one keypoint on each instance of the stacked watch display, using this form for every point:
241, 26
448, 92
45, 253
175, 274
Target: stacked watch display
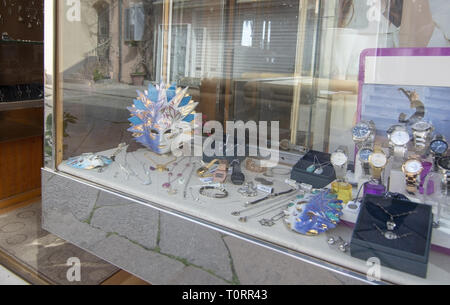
408, 151
363, 135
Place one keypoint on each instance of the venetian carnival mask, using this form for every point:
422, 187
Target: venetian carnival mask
89, 161
161, 116
321, 213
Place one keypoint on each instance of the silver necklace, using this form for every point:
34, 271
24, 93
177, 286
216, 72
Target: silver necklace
265, 211
194, 164
390, 224
390, 235
147, 172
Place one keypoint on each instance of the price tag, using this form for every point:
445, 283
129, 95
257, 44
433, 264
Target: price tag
265, 189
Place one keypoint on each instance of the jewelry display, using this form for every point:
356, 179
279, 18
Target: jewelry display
391, 235
250, 207
438, 148
147, 172
206, 171
270, 196
364, 154
444, 168
412, 169
220, 175
172, 178
219, 192
267, 210
237, 177
271, 221
421, 133
186, 184
253, 165
363, 133
390, 224
277, 171
128, 171
398, 139
415, 103
159, 167
378, 161
317, 167
339, 160
340, 242
248, 190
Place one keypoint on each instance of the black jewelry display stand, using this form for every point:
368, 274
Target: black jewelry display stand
409, 253
301, 175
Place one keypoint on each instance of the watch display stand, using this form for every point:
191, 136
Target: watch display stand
410, 252
301, 175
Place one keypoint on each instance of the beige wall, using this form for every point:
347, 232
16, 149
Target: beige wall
77, 37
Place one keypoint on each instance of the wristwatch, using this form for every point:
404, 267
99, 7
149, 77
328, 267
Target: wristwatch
364, 154
377, 162
398, 139
444, 167
363, 133
421, 132
412, 169
339, 160
438, 146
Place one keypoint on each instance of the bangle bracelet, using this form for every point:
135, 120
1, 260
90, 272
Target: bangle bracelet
220, 192
277, 171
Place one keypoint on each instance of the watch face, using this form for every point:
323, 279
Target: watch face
439, 147
339, 158
400, 137
413, 166
378, 159
444, 163
421, 126
361, 131
364, 154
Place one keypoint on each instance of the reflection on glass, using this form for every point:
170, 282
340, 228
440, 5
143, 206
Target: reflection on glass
293, 61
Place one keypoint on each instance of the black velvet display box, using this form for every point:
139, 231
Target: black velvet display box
301, 175
408, 254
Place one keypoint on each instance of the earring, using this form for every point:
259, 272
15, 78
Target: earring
342, 244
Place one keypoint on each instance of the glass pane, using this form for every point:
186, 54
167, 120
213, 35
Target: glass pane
342, 31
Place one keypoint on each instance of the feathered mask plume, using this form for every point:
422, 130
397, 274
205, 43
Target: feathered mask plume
156, 113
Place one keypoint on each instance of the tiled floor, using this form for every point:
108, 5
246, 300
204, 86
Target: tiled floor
9, 278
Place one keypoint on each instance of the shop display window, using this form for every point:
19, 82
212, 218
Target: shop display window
351, 123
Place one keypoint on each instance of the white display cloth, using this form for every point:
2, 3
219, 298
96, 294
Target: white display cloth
219, 211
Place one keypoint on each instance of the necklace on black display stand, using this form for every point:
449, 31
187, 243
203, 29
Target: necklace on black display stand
390, 224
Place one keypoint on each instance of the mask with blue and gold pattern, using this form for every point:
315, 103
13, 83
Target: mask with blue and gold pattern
158, 114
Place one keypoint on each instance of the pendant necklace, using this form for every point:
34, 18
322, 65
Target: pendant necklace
390, 235
147, 173
173, 178
159, 167
390, 224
